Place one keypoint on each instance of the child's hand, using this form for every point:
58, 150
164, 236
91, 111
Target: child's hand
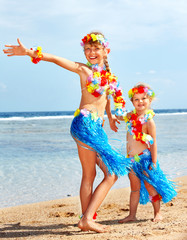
152, 166
119, 118
15, 50
112, 122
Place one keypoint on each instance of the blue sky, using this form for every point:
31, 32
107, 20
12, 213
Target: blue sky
148, 41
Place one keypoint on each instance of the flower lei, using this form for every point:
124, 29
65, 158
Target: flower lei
140, 90
100, 81
134, 126
95, 37
38, 50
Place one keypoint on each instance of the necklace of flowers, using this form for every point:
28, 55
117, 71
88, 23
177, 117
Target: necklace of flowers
100, 81
134, 126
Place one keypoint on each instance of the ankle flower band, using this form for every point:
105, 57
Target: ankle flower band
156, 198
38, 50
140, 90
95, 37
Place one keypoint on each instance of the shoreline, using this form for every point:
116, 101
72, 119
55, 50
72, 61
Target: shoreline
57, 219
59, 115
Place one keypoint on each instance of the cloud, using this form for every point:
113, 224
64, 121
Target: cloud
152, 71
3, 87
163, 81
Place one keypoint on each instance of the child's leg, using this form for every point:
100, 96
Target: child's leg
87, 223
105, 185
101, 190
134, 197
156, 205
88, 162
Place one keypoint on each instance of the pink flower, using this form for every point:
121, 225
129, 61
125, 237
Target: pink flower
146, 89
84, 112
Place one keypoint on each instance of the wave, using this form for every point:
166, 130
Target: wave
176, 113
36, 118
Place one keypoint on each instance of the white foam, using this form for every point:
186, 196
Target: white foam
177, 113
70, 117
35, 118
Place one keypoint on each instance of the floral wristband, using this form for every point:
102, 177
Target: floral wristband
37, 59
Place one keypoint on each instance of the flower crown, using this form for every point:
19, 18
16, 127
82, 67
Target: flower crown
95, 37
140, 90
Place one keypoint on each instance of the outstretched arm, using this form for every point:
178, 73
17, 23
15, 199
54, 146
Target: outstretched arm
112, 119
21, 50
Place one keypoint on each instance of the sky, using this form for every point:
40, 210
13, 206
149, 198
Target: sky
148, 41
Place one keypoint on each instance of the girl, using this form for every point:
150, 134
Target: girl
97, 83
147, 181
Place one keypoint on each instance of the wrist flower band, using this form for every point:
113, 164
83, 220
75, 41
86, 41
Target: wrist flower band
37, 59
140, 90
95, 37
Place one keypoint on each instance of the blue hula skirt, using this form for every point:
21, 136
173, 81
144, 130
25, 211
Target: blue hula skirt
87, 127
165, 187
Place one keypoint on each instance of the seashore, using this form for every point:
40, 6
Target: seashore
57, 219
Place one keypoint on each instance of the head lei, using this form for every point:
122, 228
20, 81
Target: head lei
93, 38
141, 89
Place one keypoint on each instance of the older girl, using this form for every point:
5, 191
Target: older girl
97, 84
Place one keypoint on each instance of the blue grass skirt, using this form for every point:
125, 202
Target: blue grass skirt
87, 127
165, 187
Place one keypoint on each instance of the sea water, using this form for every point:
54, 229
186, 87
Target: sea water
39, 160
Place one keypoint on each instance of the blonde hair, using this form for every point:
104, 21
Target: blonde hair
141, 84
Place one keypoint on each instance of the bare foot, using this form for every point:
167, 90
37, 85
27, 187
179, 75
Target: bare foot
89, 225
157, 218
128, 219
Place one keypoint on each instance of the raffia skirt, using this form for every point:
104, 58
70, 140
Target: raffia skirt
165, 187
87, 128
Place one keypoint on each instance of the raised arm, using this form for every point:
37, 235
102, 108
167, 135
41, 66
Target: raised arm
21, 50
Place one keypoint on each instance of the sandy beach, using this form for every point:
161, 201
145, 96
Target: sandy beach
58, 219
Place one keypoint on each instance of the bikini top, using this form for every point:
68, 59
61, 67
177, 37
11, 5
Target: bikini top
100, 81
134, 126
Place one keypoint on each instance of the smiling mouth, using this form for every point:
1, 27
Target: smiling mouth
92, 58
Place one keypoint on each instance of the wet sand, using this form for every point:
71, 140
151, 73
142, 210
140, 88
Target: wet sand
58, 219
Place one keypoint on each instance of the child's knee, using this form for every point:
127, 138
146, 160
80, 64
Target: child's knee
148, 186
111, 178
89, 178
136, 190
115, 178
135, 184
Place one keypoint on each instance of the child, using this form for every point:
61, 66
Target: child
97, 83
147, 181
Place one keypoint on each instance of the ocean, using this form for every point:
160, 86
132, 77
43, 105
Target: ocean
39, 160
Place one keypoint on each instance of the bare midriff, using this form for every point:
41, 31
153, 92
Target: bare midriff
133, 146
92, 103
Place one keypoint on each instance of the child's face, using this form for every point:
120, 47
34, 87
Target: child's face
141, 101
94, 53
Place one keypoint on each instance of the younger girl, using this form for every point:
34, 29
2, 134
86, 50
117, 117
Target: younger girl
147, 181
97, 83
